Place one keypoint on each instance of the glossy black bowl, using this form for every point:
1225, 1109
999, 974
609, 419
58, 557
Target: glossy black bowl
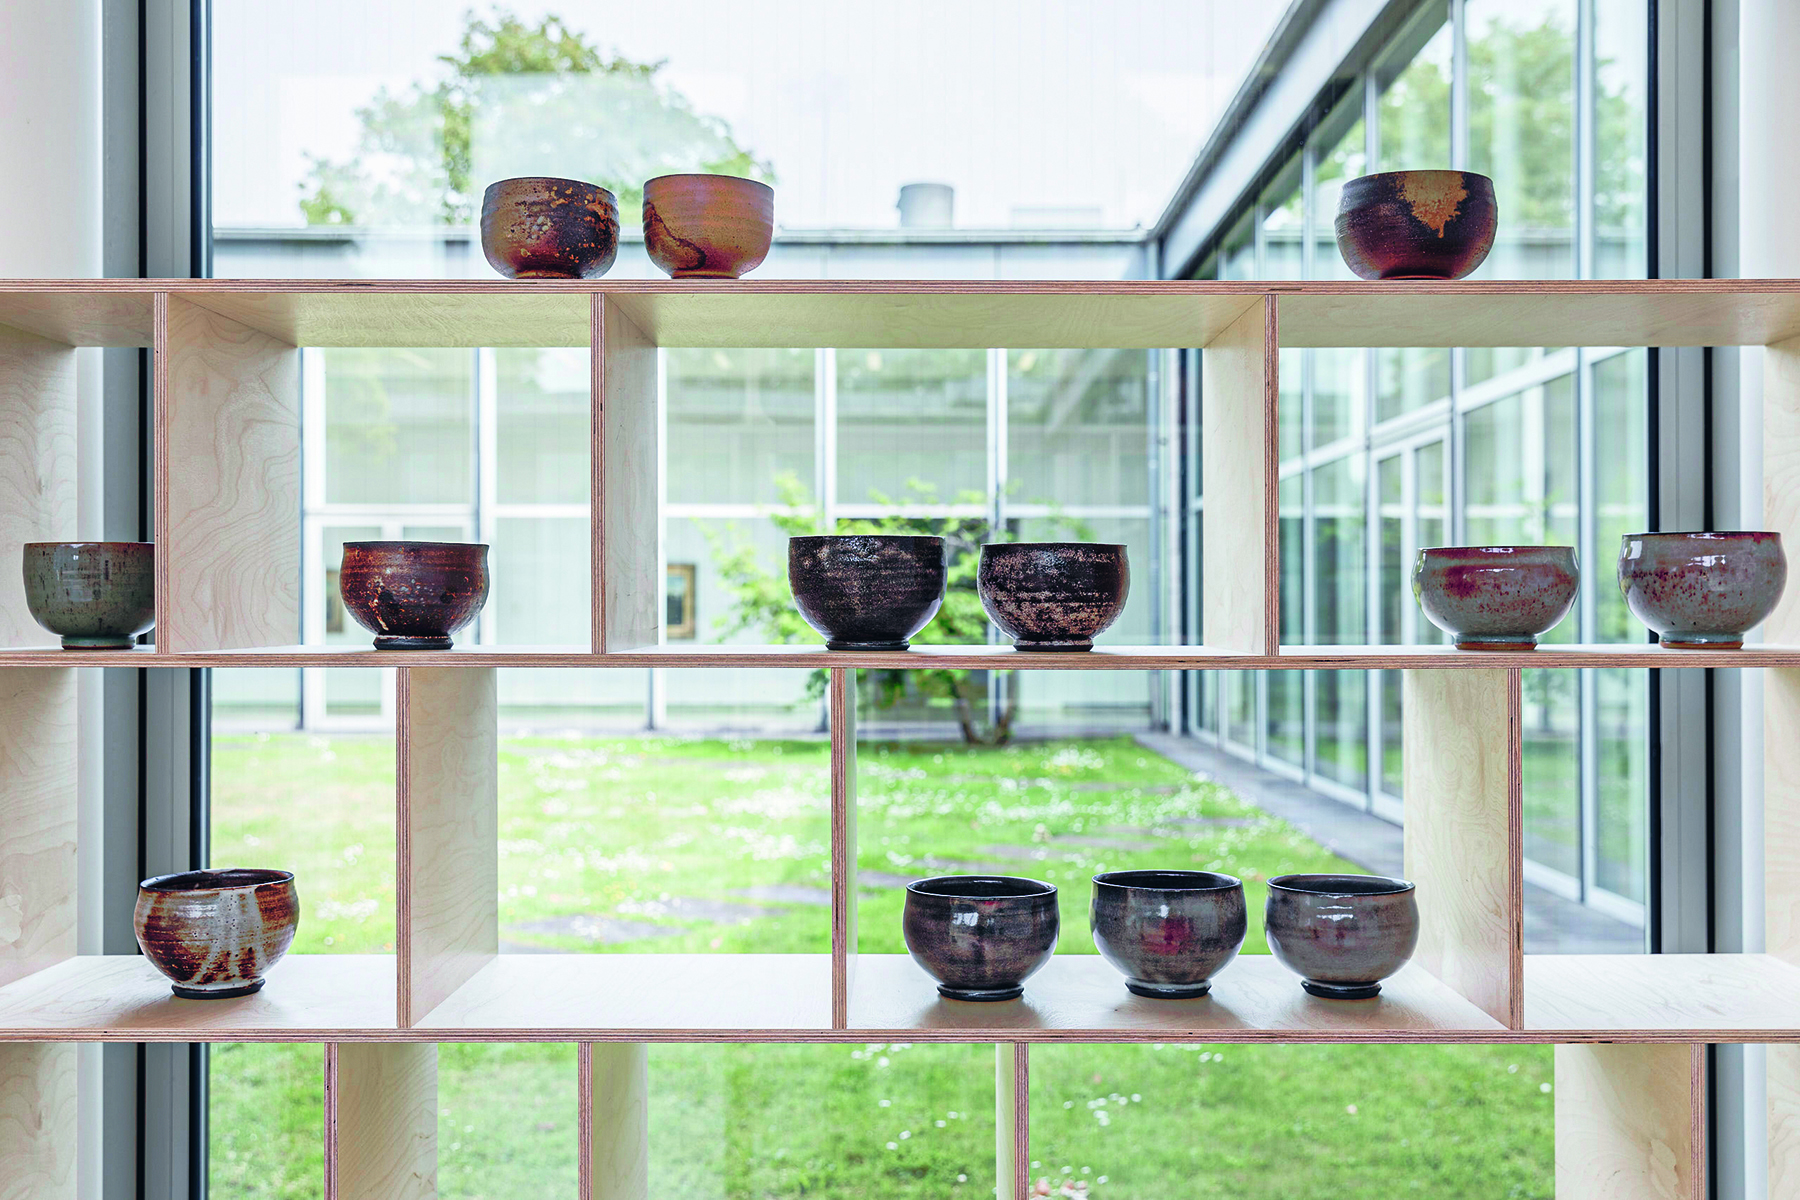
980, 936
867, 591
1342, 934
1168, 932
1053, 595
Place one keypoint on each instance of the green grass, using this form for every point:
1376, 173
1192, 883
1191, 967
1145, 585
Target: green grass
642, 830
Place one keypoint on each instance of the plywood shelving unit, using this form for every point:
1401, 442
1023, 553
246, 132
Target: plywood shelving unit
1630, 1030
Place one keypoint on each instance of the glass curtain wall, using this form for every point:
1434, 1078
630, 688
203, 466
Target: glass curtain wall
1386, 451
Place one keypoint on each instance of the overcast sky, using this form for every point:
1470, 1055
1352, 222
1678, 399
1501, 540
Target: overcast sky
1054, 104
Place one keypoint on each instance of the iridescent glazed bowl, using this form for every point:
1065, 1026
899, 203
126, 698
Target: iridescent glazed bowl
1168, 932
1416, 224
215, 934
980, 936
1496, 597
1342, 934
1053, 595
1702, 591
867, 591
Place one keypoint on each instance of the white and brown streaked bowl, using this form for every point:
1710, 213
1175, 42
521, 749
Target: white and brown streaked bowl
215, 934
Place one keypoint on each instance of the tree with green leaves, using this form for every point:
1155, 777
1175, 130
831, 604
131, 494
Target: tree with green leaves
517, 98
763, 603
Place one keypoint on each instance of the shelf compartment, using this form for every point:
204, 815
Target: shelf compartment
1663, 997
1078, 997
122, 998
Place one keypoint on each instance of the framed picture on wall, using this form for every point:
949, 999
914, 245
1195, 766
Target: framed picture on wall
678, 616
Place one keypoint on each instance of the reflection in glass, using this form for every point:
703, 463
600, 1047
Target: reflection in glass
1076, 424
542, 438
911, 416
739, 420
399, 426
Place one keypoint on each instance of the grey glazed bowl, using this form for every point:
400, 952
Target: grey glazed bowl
1701, 591
215, 934
1168, 932
867, 591
96, 595
1342, 934
980, 936
1053, 595
1496, 597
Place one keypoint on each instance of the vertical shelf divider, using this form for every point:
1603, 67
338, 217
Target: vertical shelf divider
628, 589
38, 819
1012, 1120
1240, 448
1631, 1122
449, 868
37, 466
841, 703
227, 405
1462, 835
615, 1120
38, 1127
381, 1112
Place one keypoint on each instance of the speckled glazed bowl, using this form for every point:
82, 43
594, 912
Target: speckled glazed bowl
1168, 932
708, 226
543, 228
1342, 934
867, 591
1416, 224
95, 595
1495, 597
1053, 595
980, 936
413, 595
215, 934
1702, 591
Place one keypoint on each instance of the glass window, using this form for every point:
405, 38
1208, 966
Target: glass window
1413, 115
911, 423
1343, 156
1621, 482
1339, 385
1291, 401
1620, 133
399, 426
542, 437
1284, 227
1621, 833
1286, 720
1339, 592
1238, 259
739, 421
1076, 427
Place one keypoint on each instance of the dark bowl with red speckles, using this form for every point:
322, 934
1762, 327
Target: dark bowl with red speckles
1416, 224
1342, 934
1702, 591
1168, 932
1496, 597
215, 934
413, 595
1053, 595
980, 936
543, 228
867, 591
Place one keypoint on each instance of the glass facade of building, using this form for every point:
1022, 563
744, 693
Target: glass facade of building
1389, 450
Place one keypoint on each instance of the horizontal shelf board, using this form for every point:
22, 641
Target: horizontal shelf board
123, 998
931, 313
984, 658
1078, 997
1663, 997
671, 995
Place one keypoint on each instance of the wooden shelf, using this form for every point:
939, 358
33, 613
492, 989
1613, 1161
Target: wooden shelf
980, 658
1663, 997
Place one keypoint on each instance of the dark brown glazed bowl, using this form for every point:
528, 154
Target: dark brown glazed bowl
1702, 591
1053, 595
95, 595
867, 591
1168, 932
217, 933
708, 226
1342, 934
540, 228
1416, 224
413, 595
1496, 597
980, 936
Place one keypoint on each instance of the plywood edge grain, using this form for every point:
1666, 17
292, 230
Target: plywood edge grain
159, 438
1012, 1120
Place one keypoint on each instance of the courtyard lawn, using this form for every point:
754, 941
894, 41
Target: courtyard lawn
665, 845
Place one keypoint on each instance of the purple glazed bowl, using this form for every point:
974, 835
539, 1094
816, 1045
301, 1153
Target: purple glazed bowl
1701, 591
1342, 934
1496, 597
1168, 932
980, 936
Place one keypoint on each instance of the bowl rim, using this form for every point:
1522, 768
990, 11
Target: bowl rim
708, 175
188, 883
1122, 881
937, 886
1315, 884
1002, 546
1420, 171
1694, 535
601, 188
151, 546
845, 537
404, 543
1494, 550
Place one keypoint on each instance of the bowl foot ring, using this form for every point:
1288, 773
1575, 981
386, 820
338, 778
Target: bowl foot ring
187, 993
1341, 991
981, 995
1168, 991
412, 643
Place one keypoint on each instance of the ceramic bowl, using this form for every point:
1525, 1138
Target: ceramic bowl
980, 936
95, 595
1416, 224
1168, 932
867, 591
1701, 591
1342, 934
540, 228
708, 226
1053, 595
1495, 597
215, 934
413, 595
